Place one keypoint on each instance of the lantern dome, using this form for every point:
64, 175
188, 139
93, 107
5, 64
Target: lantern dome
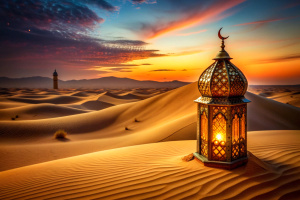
222, 79
222, 82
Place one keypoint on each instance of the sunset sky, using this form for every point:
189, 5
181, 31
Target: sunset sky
160, 40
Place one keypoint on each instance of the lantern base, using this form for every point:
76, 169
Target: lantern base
219, 164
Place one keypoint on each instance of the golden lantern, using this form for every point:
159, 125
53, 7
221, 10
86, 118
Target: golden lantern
222, 114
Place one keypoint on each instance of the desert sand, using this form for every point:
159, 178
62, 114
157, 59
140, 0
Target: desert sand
101, 159
156, 171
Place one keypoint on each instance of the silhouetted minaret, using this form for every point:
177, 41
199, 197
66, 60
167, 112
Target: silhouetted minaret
55, 80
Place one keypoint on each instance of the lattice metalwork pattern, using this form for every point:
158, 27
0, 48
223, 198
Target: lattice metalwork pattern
219, 137
238, 110
219, 82
219, 152
204, 81
238, 149
237, 82
219, 109
243, 151
242, 76
235, 151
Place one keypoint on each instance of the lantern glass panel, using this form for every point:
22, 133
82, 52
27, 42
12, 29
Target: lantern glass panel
243, 127
204, 134
235, 129
219, 138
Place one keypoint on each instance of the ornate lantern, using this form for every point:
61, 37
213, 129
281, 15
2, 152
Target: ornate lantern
222, 114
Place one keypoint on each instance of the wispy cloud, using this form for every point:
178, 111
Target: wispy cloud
280, 59
111, 66
191, 33
185, 53
119, 68
143, 1
291, 4
189, 14
262, 21
162, 70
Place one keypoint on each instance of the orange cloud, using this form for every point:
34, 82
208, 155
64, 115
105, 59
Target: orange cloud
263, 21
281, 59
190, 17
185, 53
191, 33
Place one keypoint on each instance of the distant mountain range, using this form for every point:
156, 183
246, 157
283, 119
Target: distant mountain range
105, 83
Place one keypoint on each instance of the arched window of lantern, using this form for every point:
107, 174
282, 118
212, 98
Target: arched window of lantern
243, 126
218, 147
219, 128
235, 129
204, 127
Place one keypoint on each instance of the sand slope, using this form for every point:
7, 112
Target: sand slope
95, 105
156, 171
60, 99
288, 94
115, 99
38, 111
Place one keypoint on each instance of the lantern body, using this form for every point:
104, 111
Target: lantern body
222, 114
222, 135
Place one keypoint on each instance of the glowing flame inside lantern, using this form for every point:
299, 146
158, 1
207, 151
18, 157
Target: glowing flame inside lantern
219, 137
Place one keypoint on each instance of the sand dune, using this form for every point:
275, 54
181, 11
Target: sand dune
10, 104
267, 114
80, 94
156, 171
32, 96
96, 105
38, 111
282, 93
52, 99
157, 112
114, 99
150, 120
131, 96
124, 96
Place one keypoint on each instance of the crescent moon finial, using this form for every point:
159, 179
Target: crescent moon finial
220, 36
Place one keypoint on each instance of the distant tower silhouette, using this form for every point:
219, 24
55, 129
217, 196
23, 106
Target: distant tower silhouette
55, 80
